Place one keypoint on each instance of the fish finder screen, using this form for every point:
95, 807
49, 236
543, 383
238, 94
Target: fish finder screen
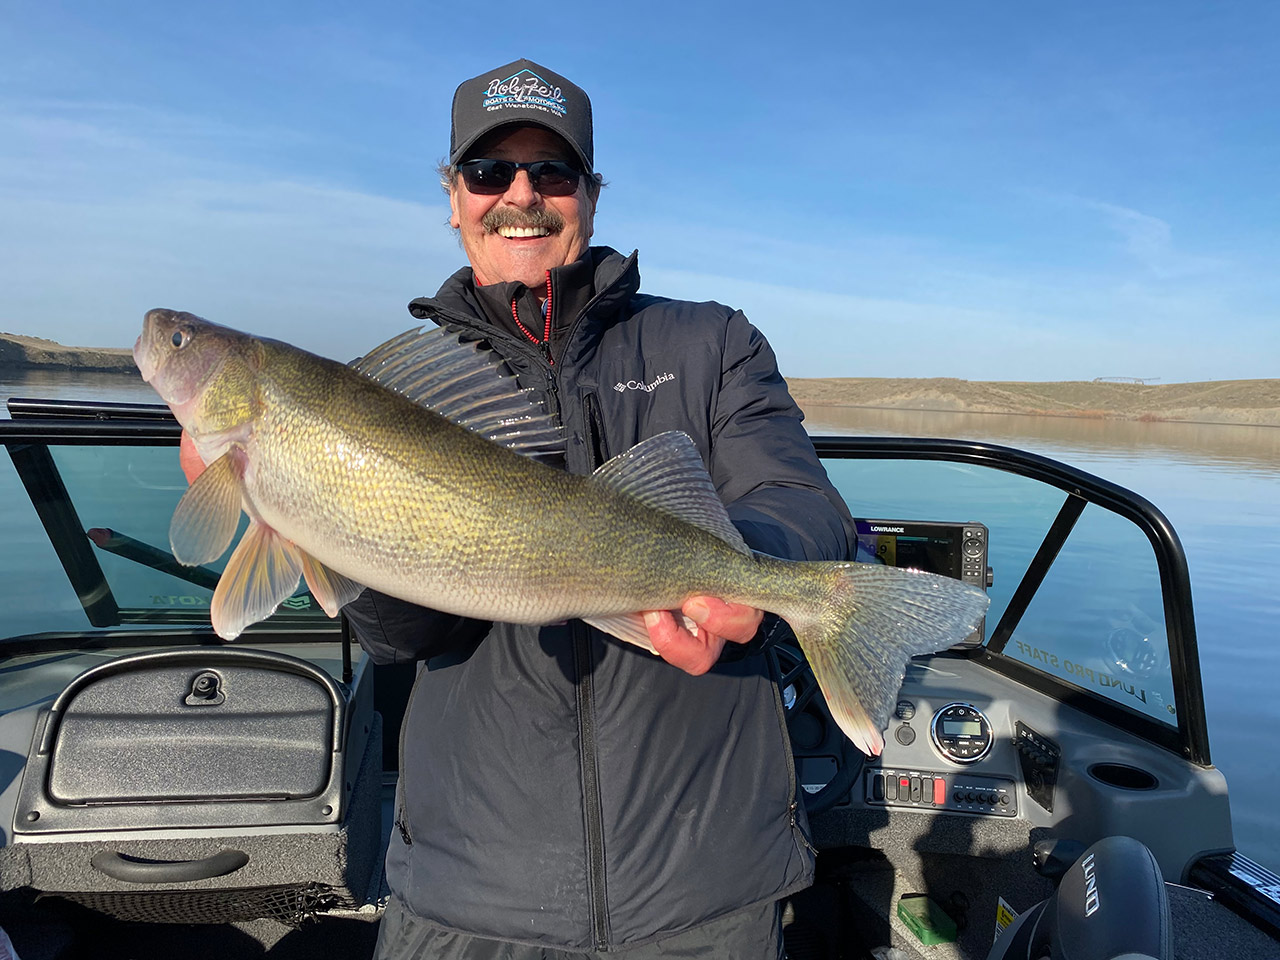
931, 554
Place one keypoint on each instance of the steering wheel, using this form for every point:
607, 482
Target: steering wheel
812, 727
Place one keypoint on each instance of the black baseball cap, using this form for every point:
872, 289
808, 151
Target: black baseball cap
521, 92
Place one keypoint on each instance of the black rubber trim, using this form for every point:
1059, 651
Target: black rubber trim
25, 408
1247, 887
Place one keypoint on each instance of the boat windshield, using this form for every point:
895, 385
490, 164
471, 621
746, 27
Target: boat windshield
88, 534
1082, 590
1094, 617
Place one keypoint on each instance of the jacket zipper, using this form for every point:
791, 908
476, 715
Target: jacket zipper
572, 332
598, 446
793, 800
402, 820
590, 786
581, 639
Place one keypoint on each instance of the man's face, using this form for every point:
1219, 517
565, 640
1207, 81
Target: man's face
566, 222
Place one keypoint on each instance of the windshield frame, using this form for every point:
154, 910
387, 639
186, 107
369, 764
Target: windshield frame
1190, 739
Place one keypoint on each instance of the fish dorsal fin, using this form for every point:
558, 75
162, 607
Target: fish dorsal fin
458, 380
666, 472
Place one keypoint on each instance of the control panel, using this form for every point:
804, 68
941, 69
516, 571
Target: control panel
930, 790
1038, 757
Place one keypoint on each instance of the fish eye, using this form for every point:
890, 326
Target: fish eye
180, 338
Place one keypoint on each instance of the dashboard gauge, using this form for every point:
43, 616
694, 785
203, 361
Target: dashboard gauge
961, 733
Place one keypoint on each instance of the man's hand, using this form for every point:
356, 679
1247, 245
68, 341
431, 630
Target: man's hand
717, 622
189, 458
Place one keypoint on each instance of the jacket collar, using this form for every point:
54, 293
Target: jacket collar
597, 285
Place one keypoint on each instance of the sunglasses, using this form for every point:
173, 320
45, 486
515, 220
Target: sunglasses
551, 178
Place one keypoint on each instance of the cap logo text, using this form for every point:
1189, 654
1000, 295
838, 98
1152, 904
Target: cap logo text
525, 89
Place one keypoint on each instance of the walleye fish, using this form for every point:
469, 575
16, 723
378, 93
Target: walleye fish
419, 472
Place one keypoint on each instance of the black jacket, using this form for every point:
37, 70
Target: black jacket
558, 786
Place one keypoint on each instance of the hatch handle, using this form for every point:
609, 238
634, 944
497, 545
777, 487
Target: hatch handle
126, 869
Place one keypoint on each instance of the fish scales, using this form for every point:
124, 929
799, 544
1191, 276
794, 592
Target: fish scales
463, 513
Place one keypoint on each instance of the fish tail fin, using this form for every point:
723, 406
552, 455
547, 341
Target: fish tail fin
873, 620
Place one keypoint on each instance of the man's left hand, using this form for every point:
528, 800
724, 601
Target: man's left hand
717, 621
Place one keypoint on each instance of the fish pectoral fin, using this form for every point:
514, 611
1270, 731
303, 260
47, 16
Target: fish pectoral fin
630, 627
666, 472
331, 589
206, 517
262, 573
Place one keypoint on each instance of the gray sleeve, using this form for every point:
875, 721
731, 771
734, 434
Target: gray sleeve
763, 463
396, 631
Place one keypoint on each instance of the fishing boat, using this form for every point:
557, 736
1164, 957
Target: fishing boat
1046, 786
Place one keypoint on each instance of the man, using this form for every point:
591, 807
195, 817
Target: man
562, 793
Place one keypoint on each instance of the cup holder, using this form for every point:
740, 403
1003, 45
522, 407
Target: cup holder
1123, 776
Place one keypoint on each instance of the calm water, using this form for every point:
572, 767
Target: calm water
1219, 485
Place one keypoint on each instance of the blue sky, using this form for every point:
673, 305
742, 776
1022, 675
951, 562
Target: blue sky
987, 190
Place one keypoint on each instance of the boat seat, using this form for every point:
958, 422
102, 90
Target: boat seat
1110, 904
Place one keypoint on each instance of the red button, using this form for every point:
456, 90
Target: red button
939, 791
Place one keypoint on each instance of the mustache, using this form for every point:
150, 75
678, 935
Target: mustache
508, 217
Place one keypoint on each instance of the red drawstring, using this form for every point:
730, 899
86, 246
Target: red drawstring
546, 331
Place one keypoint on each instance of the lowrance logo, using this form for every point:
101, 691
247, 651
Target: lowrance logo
875, 529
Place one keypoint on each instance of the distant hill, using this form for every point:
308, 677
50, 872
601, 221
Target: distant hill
1212, 401
19, 352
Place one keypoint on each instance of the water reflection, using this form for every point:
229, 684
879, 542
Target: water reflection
1237, 446
69, 385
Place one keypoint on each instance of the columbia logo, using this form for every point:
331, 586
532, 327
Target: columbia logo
623, 386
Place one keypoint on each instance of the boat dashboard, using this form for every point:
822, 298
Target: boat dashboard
975, 764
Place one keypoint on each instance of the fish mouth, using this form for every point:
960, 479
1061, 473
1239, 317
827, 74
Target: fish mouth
142, 357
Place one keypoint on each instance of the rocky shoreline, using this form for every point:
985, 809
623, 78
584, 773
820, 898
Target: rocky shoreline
23, 353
